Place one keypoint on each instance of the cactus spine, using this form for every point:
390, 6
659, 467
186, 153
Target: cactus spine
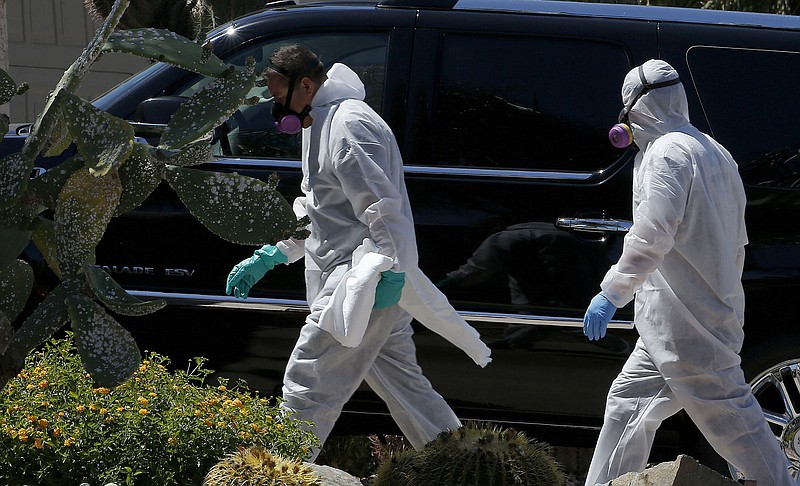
474, 455
256, 465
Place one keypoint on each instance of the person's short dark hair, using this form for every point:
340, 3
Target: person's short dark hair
295, 60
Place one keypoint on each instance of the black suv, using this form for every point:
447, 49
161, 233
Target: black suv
501, 109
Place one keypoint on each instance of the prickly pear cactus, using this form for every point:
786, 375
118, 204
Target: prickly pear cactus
256, 465
474, 455
110, 175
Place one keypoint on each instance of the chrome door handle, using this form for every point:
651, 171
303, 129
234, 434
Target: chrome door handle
592, 225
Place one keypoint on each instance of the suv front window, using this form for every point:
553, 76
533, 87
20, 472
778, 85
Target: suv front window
251, 131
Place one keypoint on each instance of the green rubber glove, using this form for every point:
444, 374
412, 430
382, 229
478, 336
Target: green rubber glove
245, 274
389, 289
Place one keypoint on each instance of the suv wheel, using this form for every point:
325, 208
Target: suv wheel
773, 370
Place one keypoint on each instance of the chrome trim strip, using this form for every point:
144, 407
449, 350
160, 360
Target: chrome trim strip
288, 305
419, 169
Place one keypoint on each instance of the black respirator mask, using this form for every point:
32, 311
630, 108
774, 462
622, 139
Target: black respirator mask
288, 121
621, 134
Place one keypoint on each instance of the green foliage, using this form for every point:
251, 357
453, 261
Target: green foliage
256, 465
159, 428
474, 455
110, 176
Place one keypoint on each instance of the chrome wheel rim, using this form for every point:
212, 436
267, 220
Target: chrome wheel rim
777, 390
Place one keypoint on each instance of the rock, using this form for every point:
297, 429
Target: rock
333, 477
683, 471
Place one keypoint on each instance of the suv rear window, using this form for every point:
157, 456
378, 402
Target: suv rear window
740, 91
501, 104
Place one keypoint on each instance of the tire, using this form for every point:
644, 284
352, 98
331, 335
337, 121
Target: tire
773, 370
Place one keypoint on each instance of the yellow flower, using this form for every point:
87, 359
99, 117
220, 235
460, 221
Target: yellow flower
31, 418
69, 442
223, 388
143, 401
80, 408
102, 390
153, 395
57, 432
43, 423
207, 423
109, 419
37, 443
198, 413
43, 384
143, 411
220, 424
172, 441
93, 407
103, 411
279, 426
120, 409
138, 379
61, 414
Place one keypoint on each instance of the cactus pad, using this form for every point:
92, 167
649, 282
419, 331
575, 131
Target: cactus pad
107, 350
166, 46
237, 208
115, 297
103, 140
85, 205
15, 172
207, 108
16, 280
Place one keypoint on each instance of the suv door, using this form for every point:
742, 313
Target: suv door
520, 201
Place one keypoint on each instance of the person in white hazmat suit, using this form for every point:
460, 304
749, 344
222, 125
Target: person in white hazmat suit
355, 197
683, 259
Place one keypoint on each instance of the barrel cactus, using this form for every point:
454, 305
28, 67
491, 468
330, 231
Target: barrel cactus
256, 465
479, 455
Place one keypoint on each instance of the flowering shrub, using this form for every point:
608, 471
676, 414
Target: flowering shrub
158, 428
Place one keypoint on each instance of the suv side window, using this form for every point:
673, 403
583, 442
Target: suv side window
502, 104
251, 128
741, 89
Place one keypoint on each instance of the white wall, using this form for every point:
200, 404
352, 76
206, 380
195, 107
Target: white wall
45, 37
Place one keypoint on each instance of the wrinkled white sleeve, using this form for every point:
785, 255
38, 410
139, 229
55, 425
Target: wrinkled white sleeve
666, 181
293, 248
362, 159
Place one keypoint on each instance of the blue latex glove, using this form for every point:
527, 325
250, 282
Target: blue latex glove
597, 317
389, 289
245, 274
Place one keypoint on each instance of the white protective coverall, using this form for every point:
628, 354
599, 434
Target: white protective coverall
354, 190
683, 258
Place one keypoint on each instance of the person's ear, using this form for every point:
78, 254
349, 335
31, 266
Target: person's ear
307, 85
